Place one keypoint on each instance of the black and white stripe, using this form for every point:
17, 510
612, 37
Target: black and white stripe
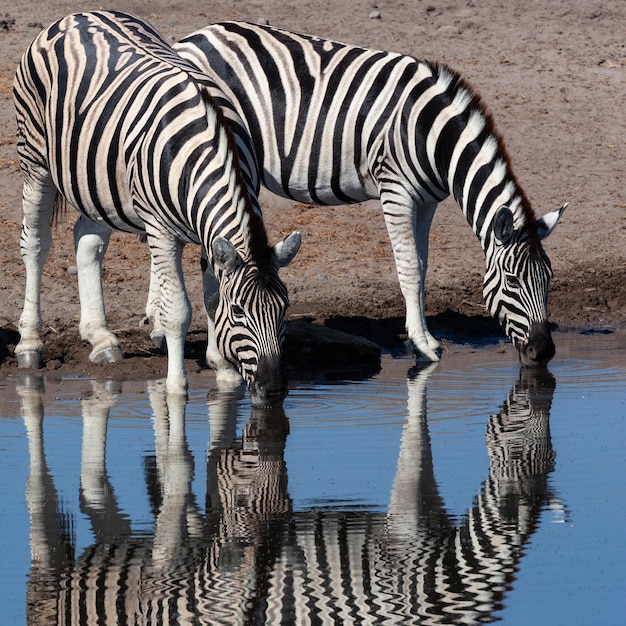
127, 131
334, 123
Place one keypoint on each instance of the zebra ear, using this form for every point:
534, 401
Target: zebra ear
225, 255
503, 224
548, 222
285, 250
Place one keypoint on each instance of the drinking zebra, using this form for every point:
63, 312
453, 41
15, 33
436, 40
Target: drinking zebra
334, 123
109, 116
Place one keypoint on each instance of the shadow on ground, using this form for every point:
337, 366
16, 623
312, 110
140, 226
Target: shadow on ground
340, 347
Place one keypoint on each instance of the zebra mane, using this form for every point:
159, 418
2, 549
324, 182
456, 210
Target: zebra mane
258, 244
459, 84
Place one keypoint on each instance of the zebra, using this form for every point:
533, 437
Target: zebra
111, 118
334, 123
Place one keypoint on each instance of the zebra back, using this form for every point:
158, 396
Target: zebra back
306, 99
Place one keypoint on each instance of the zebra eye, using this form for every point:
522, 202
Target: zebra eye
237, 311
512, 281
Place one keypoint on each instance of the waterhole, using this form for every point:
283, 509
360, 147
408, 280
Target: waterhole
462, 493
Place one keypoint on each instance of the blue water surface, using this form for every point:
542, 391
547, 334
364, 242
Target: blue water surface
466, 492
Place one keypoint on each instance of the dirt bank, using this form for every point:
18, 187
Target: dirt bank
554, 75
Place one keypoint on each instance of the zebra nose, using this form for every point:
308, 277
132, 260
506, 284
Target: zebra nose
269, 386
539, 348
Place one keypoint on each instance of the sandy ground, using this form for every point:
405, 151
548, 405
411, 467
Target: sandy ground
554, 76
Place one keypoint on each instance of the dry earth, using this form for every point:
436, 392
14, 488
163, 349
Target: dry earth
554, 76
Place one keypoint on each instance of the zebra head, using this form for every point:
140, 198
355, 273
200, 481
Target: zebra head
250, 316
517, 281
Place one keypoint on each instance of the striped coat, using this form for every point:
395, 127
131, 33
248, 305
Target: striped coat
127, 132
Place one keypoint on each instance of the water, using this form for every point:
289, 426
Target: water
465, 493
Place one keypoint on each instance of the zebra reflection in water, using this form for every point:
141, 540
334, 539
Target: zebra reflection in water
250, 558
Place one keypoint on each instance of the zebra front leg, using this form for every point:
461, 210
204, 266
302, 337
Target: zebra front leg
408, 228
174, 306
38, 196
91, 241
226, 376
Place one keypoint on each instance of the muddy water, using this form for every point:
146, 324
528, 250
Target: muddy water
463, 493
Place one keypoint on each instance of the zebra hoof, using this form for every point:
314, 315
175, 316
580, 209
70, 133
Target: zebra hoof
424, 354
227, 379
158, 339
425, 359
108, 355
30, 359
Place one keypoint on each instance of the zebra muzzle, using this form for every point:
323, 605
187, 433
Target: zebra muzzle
539, 348
268, 387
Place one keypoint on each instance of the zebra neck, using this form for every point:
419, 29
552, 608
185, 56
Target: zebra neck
478, 173
481, 190
222, 204
463, 154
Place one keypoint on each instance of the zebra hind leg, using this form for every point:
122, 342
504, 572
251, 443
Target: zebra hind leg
91, 241
38, 197
152, 310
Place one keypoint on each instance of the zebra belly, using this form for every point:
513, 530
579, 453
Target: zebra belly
326, 189
125, 218
106, 197
115, 210
114, 221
